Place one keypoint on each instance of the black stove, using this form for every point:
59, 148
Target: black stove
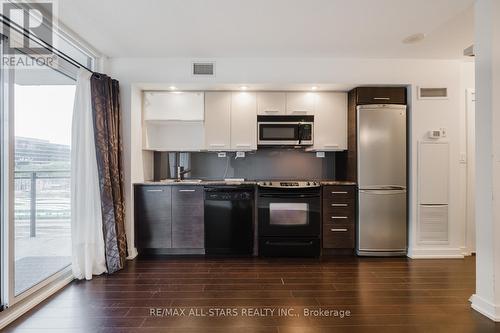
289, 218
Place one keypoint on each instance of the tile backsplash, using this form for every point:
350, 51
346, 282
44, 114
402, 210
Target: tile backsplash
262, 164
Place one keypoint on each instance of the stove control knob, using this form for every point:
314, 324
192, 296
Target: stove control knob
308, 183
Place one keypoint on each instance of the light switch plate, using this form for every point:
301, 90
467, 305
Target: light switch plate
221, 154
240, 154
444, 131
320, 154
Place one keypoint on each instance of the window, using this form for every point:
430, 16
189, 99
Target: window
43, 106
36, 114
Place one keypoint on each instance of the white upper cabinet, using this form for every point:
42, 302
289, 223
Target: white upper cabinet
271, 103
217, 121
300, 103
173, 105
330, 121
243, 121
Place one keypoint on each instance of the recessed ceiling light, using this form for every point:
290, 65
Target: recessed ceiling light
415, 38
243, 88
172, 88
314, 88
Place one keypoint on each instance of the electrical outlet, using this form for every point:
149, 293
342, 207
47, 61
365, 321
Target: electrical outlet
221, 154
320, 154
240, 154
463, 158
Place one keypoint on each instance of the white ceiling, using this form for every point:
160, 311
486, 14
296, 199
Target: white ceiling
272, 28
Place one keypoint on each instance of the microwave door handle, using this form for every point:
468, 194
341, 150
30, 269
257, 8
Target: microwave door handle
299, 132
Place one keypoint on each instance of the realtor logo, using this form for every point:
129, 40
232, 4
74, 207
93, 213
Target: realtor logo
28, 18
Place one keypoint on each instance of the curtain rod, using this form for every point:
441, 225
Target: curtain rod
25, 32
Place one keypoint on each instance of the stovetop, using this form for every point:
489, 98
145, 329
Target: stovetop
289, 184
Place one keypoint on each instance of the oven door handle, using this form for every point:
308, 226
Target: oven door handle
289, 196
289, 243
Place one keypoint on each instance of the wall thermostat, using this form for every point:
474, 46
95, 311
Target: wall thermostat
434, 134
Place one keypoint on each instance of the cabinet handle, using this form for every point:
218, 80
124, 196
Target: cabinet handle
339, 230
339, 217
154, 190
382, 98
299, 111
339, 205
339, 192
217, 145
243, 145
271, 111
332, 145
187, 190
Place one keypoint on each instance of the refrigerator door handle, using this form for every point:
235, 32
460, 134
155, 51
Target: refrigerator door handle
383, 187
383, 191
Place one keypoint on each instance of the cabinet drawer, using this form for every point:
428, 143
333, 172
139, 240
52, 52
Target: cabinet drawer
381, 95
339, 209
337, 219
338, 237
187, 195
339, 194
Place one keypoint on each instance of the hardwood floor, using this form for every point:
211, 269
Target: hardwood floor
382, 295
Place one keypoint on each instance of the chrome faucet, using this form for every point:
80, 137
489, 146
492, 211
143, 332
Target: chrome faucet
181, 172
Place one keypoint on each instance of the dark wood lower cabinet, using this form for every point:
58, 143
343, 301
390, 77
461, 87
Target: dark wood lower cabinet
153, 216
339, 216
168, 218
188, 230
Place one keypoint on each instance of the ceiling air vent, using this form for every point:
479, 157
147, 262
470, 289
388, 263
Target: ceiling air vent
204, 68
432, 93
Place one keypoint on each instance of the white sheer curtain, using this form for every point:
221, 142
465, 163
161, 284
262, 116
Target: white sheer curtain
86, 219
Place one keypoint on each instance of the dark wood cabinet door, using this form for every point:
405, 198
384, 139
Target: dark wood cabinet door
188, 228
153, 216
381, 95
339, 215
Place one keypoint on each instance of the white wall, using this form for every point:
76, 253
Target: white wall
134, 73
487, 48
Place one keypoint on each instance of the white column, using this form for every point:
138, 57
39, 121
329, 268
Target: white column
486, 300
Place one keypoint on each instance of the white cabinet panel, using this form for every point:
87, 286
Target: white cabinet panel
433, 171
271, 103
243, 121
300, 103
217, 121
174, 136
330, 121
167, 105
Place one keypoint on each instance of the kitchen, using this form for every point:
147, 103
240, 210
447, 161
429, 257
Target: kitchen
284, 166
292, 187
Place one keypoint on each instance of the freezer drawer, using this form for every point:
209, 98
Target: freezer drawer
382, 222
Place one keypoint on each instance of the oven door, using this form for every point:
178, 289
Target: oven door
278, 133
289, 214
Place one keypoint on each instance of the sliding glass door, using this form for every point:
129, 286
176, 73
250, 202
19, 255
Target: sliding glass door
42, 111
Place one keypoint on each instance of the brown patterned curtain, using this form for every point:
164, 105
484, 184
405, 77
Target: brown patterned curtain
105, 96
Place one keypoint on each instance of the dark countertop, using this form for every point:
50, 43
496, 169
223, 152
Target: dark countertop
338, 182
222, 182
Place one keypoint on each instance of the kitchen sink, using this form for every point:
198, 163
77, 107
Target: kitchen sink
185, 181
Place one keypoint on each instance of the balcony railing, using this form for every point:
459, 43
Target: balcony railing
43, 198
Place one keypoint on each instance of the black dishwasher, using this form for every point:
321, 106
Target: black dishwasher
229, 220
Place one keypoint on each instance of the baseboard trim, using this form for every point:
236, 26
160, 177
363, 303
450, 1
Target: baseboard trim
485, 307
17, 310
436, 253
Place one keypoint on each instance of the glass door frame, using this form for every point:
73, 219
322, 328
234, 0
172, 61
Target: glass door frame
6, 177
9, 296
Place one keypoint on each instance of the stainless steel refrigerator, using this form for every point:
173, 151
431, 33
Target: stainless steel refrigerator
382, 177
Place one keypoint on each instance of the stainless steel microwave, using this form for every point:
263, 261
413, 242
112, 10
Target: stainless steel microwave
285, 130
